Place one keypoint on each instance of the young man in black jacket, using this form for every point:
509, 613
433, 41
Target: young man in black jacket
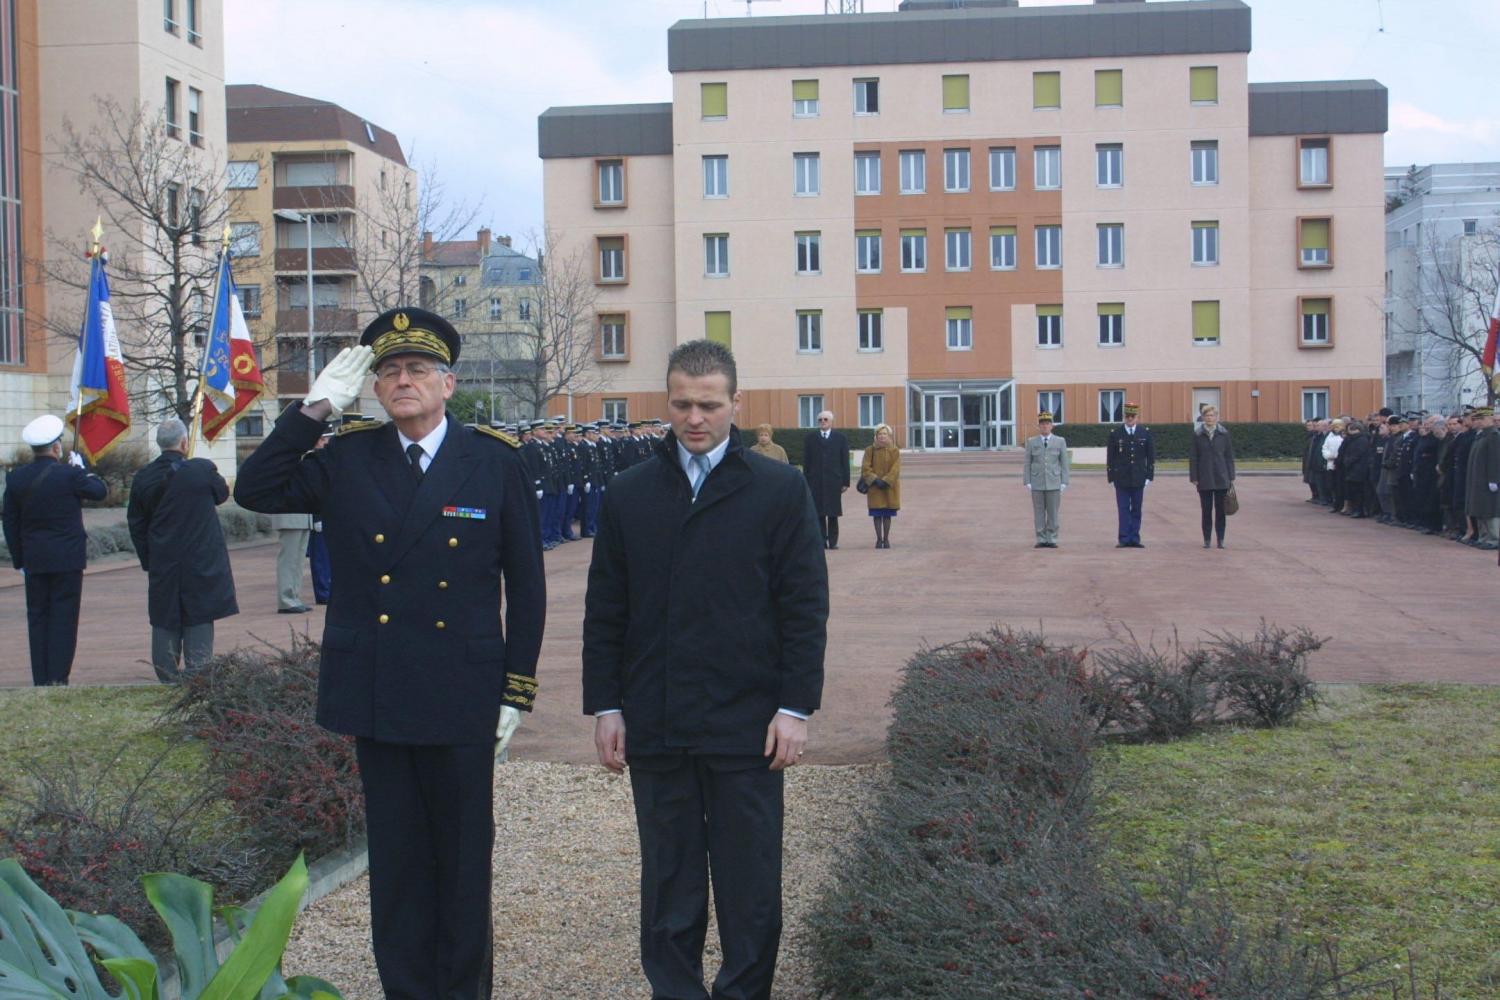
703, 638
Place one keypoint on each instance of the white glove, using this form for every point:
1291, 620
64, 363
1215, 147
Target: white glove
1062, 487
510, 721
317, 525
1028, 487
1494, 487
588, 487
75, 459
570, 489
538, 494
342, 380
1146, 483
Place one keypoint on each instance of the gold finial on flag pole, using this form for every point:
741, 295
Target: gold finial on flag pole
97, 233
226, 235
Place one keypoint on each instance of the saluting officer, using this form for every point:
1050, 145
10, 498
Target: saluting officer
424, 520
1130, 465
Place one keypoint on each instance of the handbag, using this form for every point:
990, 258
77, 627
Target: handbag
862, 486
1231, 502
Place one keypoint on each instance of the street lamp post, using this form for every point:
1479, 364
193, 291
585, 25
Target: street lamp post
290, 215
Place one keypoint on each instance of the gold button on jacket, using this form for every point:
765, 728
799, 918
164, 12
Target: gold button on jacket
379, 539
385, 579
453, 543
384, 619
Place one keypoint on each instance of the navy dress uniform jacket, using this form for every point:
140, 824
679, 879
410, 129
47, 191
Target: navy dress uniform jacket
1130, 459
43, 515
413, 651
705, 617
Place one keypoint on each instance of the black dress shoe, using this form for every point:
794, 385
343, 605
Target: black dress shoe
1221, 543
1137, 545
1040, 545
1122, 545
1205, 543
300, 609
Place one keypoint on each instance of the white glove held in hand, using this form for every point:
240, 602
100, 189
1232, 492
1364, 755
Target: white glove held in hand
570, 489
588, 487
342, 380
510, 721
75, 459
1495, 487
538, 494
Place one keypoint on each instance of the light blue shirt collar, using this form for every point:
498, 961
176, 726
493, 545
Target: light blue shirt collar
685, 457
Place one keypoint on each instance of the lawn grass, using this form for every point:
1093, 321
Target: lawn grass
1375, 821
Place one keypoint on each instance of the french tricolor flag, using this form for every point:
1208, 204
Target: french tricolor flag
99, 408
230, 377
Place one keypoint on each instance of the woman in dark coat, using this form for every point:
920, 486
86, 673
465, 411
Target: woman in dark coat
1211, 469
1354, 462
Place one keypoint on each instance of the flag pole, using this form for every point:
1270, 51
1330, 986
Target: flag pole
197, 420
96, 247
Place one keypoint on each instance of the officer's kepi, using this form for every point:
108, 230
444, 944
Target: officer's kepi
408, 330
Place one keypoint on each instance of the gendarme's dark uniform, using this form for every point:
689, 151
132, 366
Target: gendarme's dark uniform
415, 662
1130, 464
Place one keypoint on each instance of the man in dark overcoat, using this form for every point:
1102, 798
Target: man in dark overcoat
825, 463
1482, 480
704, 632
1130, 464
425, 520
43, 523
174, 523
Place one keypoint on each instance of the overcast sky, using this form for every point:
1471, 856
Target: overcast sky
461, 82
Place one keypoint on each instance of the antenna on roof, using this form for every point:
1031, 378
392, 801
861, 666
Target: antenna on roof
748, 4
843, 6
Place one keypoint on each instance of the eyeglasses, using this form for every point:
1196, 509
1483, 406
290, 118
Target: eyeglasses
416, 371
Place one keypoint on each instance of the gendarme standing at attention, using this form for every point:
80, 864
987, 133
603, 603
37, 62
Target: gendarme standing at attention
424, 519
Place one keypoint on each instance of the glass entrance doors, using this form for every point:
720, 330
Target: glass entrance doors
963, 416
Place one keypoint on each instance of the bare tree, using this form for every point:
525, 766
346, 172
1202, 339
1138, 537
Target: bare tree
163, 202
558, 346
1449, 303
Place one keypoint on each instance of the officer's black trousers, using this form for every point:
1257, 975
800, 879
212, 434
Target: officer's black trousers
695, 813
430, 814
52, 601
830, 526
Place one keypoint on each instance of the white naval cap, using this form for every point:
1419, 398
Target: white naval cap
42, 431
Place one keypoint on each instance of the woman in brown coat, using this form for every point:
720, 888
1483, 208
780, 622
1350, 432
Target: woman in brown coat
880, 472
765, 446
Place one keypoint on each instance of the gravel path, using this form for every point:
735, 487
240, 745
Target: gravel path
566, 887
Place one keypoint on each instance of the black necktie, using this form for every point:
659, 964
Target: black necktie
414, 455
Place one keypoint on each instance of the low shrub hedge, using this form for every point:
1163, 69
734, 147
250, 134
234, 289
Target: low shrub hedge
1283, 441
791, 438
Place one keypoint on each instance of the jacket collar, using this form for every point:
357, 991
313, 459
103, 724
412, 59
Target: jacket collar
729, 476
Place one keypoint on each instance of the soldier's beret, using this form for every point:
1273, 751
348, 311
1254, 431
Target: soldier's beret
409, 330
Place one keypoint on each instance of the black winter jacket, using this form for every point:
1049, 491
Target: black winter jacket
178, 539
1211, 460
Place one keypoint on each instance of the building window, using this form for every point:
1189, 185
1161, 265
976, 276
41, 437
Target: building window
716, 255
253, 426
1111, 406
1111, 324
1046, 91
714, 98
460, 280
955, 92
1047, 161
460, 308
1203, 85
960, 321
913, 171
1002, 248
523, 310
866, 173
808, 408
1206, 323
1205, 162
809, 253
871, 409
955, 170
1471, 228
195, 214
1111, 245
249, 299
809, 331
1314, 240
913, 250
804, 98
1312, 158
242, 174
611, 182
1003, 168
194, 33
1048, 246
871, 330
612, 337
195, 116
805, 172
867, 96
867, 251
1051, 401
1049, 326
244, 239
616, 411
497, 309
716, 327
716, 177
1315, 404
612, 258
1109, 88
1206, 244
169, 15
174, 128
1109, 165
1317, 322
958, 255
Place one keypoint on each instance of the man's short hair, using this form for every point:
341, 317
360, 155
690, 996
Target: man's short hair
698, 358
171, 434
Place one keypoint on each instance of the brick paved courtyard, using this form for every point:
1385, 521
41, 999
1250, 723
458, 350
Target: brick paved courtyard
1398, 606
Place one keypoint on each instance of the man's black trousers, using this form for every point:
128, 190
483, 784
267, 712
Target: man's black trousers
830, 526
52, 602
697, 814
430, 814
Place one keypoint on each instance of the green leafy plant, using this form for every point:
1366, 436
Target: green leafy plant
48, 953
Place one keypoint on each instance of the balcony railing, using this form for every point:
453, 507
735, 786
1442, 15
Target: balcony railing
313, 197
325, 320
324, 259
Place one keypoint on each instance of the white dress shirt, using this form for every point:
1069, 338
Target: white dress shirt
429, 444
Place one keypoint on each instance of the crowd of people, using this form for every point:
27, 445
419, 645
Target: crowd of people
1433, 473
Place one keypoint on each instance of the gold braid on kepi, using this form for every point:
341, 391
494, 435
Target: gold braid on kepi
409, 330
520, 691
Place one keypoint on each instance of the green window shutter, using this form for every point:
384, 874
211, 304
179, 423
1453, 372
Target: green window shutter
956, 92
1002, 230
1049, 310
960, 312
1314, 234
1111, 309
1046, 90
866, 232
1109, 88
715, 100
1203, 84
1206, 225
1316, 307
1205, 321
804, 90
716, 327
913, 232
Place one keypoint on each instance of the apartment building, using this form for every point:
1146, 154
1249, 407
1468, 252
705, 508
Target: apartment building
321, 199
950, 219
57, 58
1442, 254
